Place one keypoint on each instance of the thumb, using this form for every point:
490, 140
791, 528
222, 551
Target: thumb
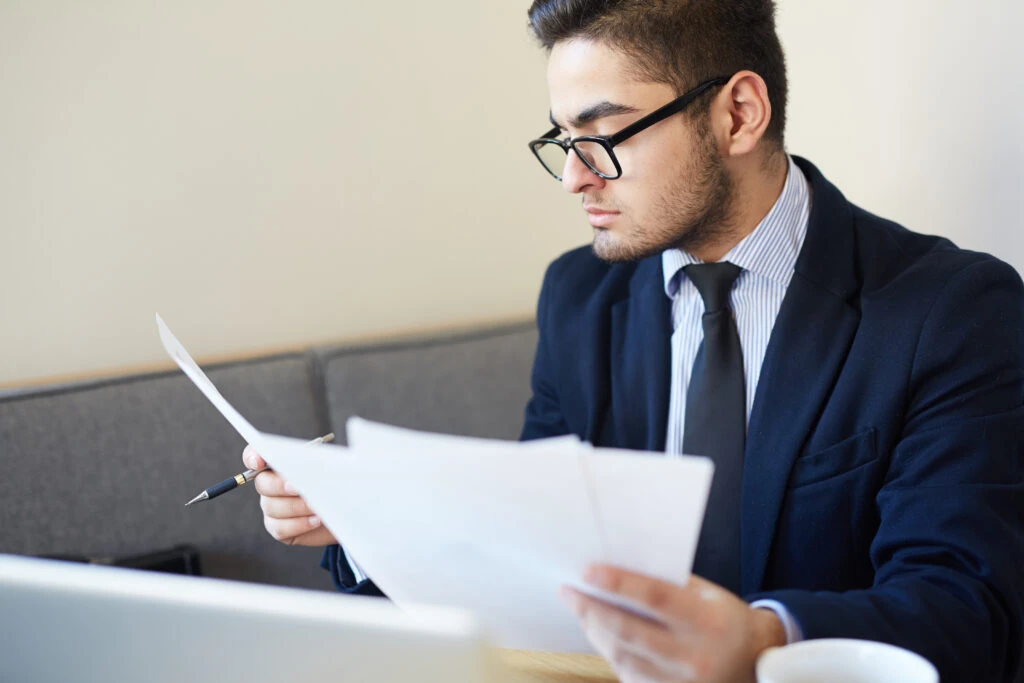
252, 459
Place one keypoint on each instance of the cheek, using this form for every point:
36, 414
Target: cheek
655, 150
651, 173
644, 198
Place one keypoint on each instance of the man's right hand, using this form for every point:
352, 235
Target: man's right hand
285, 514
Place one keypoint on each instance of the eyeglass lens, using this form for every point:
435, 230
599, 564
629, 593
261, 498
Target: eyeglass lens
593, 154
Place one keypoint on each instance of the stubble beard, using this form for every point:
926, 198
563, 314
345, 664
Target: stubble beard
692, 213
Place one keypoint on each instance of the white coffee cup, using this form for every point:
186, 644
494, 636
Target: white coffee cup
841, 660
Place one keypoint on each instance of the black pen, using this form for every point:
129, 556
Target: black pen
240, 479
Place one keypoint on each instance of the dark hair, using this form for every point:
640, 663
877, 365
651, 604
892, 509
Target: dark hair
678, 42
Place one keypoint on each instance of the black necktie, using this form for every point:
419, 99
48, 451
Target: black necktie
716, 423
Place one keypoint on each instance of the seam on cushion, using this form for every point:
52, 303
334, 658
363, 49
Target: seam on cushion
429, 341
90, 385
116, 380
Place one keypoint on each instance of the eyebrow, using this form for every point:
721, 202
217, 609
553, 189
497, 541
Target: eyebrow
594, 112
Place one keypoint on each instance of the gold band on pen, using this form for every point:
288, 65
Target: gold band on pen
243, 477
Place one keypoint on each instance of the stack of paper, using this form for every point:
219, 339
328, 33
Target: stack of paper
491, 526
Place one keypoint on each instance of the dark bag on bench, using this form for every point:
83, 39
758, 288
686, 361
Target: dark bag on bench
181, 559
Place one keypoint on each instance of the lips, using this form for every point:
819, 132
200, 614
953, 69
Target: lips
600, 218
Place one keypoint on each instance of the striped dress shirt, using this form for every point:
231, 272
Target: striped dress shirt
767, 256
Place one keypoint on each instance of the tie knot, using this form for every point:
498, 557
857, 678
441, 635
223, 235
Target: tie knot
714, 282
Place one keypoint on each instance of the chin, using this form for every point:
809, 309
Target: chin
612, 248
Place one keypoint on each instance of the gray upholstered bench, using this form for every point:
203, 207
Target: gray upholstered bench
103, 468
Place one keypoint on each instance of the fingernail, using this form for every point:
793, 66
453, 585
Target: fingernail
314, 521
289, 488
593, 575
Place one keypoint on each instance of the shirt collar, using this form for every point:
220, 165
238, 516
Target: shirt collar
771, 249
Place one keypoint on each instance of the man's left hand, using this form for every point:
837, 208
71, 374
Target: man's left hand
707, 634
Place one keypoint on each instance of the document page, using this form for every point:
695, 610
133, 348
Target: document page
491, 526
460, 529
191, 369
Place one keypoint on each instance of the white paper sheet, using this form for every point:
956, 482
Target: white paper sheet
377, 436
651, 507
180, 356
491, 526
458, 529
647, 509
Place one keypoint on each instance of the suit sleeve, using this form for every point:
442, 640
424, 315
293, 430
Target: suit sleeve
949, 547
336, 563
543, 413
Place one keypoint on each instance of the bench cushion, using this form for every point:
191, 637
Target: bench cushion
103, 469
472, 383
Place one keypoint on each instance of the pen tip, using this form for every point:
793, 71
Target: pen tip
201, 496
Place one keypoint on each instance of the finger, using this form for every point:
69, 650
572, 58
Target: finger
252, 459
634, 667
611, 629
601, 639
638, 649
288, 530
272, 484
284, 507
316, 537
672, 601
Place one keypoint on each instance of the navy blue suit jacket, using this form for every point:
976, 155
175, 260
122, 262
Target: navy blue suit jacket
882, 485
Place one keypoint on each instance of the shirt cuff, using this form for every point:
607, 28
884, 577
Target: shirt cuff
361, 576
794, 634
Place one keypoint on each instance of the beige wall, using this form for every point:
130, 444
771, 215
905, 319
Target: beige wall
264, 174
271, 173
914, 108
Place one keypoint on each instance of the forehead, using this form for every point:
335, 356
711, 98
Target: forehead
582, 73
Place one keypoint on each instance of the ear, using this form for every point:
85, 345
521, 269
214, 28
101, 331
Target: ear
741, 114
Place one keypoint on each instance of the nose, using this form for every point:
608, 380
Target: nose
577, 176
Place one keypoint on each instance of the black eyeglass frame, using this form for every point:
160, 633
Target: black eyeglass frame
609, 141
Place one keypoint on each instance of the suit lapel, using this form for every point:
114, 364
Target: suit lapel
808, 346
807, 349
641, 362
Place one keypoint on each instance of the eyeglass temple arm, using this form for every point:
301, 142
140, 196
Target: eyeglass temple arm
551, 134
668, 110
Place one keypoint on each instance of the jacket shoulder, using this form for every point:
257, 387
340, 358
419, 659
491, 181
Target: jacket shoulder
578, 265
578, 279
890, 255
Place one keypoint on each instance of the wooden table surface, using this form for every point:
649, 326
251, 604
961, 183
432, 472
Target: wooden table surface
548, 667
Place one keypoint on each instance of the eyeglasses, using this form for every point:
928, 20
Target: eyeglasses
596, 150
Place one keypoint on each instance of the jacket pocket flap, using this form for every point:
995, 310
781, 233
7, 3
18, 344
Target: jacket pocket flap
848, 454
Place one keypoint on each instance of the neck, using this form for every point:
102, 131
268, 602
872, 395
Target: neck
757, 184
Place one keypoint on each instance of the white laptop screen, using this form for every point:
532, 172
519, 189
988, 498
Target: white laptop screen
78, 623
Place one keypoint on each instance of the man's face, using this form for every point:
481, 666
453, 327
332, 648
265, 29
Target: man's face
674, 190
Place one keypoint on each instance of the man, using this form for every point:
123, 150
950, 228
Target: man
859, 386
